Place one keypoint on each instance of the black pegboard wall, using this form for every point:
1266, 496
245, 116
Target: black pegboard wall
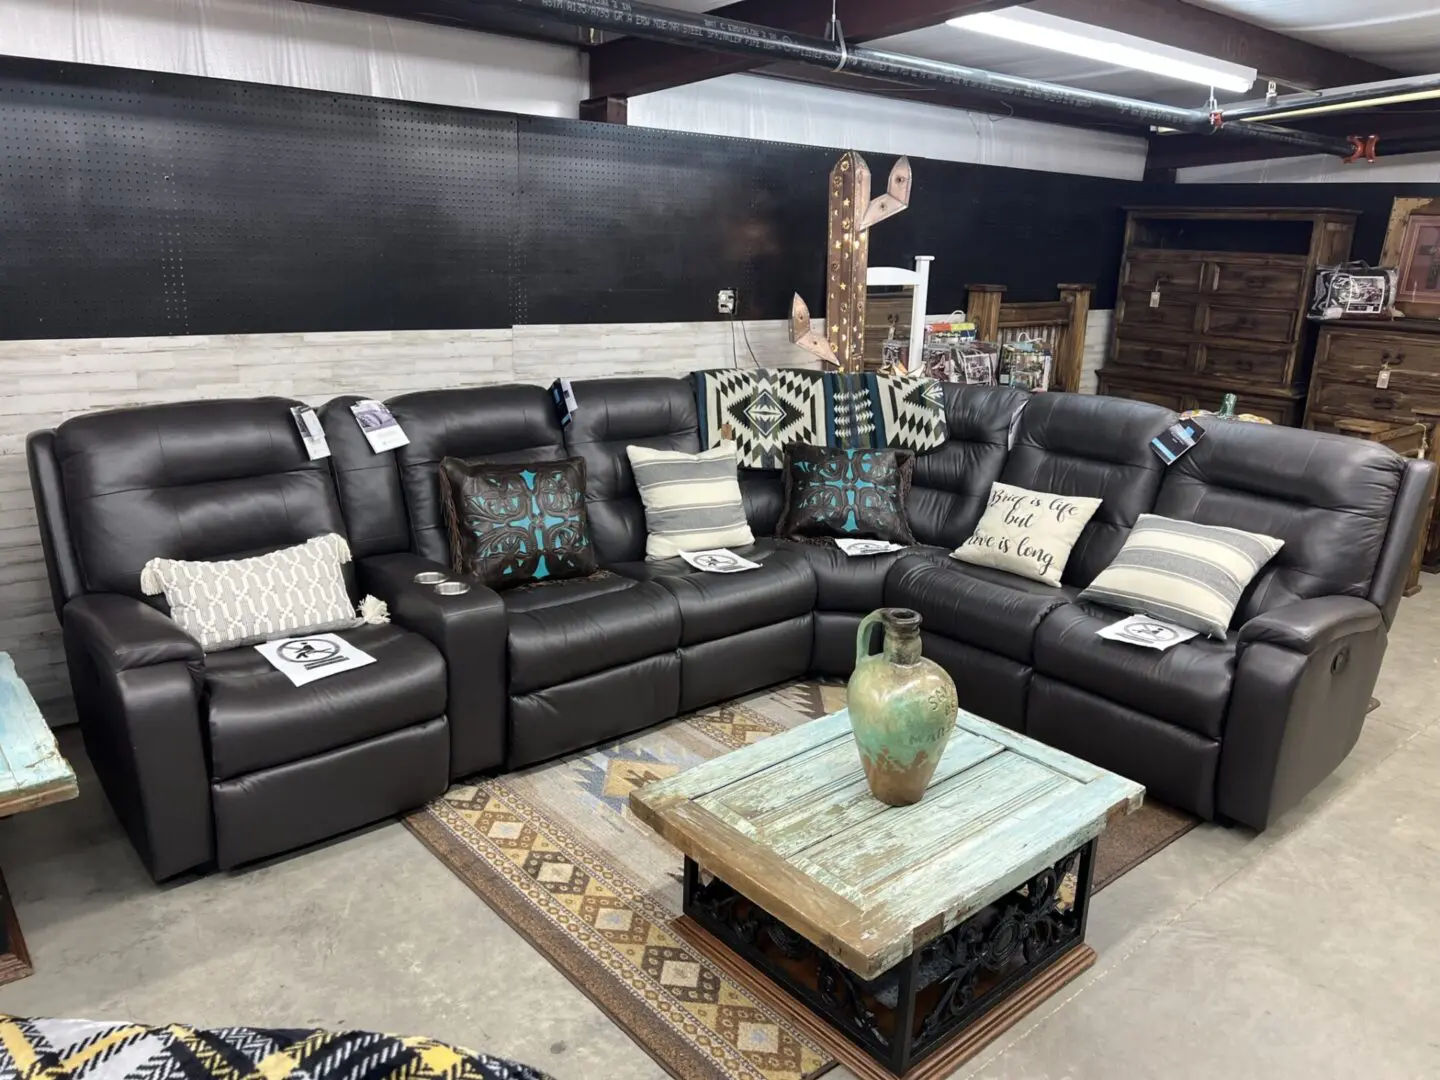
134, 203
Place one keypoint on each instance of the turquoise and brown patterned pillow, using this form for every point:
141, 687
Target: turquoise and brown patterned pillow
845, 493
515, 523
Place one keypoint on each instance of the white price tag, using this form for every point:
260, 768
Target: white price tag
311, 433
1155, 296
382, 430
1383, 379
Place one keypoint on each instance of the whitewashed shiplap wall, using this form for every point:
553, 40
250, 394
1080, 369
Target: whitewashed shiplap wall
44, 382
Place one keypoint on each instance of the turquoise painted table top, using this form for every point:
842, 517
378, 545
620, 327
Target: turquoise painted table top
32, 771
790, 823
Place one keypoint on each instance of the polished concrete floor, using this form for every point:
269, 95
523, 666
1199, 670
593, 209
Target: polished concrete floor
1309, 951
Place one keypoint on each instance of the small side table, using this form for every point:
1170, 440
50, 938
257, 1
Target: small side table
33, 773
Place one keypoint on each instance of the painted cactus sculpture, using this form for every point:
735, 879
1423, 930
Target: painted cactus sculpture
847, 259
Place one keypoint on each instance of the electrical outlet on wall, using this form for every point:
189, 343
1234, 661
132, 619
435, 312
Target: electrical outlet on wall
726, 304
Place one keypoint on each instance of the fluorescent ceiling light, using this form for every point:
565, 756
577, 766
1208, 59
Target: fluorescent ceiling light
1108, 46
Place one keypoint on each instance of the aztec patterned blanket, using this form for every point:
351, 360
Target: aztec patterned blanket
764, 410
98, 1050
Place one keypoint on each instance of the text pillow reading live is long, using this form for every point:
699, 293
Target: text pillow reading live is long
1029, 533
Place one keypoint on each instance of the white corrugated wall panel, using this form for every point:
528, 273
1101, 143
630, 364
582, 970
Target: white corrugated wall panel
755, 107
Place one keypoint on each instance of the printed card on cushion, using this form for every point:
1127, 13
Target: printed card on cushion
1029, 533
840, 493
1192, 575
692, 501
227, 603
516, 523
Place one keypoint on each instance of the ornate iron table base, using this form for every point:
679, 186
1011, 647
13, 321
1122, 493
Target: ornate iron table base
932, 996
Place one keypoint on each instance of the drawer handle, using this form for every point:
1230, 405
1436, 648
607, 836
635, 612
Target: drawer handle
1257, 282
1382, 403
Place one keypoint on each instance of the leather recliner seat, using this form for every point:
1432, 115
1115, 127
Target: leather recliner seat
1239, 729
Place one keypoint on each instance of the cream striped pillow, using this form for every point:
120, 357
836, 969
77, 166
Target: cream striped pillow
692, 501
1188, 574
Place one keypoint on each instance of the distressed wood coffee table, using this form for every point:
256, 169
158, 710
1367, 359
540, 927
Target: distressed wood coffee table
918, 932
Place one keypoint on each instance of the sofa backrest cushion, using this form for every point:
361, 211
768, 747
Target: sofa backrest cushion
1328, 497
952, 483
610, 415
764, 493
197, 480
510, 423
1099, 447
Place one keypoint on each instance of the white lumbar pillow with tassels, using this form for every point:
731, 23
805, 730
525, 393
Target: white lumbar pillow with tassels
231, 602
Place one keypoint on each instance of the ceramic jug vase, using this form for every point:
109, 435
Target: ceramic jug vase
902, 708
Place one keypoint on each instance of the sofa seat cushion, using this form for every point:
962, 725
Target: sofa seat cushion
258, 719
989, 609
1188, 685
714, 606
854, 584
568, 629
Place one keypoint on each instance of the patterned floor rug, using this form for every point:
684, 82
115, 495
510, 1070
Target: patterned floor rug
555, 851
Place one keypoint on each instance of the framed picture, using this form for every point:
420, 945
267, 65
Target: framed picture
1412, 246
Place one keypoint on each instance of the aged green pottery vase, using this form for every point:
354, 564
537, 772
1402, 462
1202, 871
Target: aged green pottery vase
902, 708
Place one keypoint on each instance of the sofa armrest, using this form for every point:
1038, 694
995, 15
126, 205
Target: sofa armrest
1310, 625
470, 631
137, 680
125, 633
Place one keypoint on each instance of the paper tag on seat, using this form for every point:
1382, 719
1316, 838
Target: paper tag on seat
718, 561
1383, 379
315, 656
853, 547
1147, 632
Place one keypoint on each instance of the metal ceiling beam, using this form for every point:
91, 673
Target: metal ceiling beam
634, 17
636, 66
1185, 26
1401, 130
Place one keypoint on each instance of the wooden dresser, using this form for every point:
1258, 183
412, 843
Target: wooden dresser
1354, 357
1212, 302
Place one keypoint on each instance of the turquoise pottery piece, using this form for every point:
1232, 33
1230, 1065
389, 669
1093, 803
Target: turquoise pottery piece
902, 707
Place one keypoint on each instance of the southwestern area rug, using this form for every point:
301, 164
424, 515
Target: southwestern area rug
555, 851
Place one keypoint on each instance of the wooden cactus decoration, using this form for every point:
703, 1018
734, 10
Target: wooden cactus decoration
847, 258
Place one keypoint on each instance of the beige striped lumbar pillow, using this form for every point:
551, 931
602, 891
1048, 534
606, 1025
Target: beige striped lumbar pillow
1189, 574
692, 501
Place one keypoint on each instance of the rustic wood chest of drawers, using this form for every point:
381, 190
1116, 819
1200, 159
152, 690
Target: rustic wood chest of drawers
1387, 371
1212, 302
